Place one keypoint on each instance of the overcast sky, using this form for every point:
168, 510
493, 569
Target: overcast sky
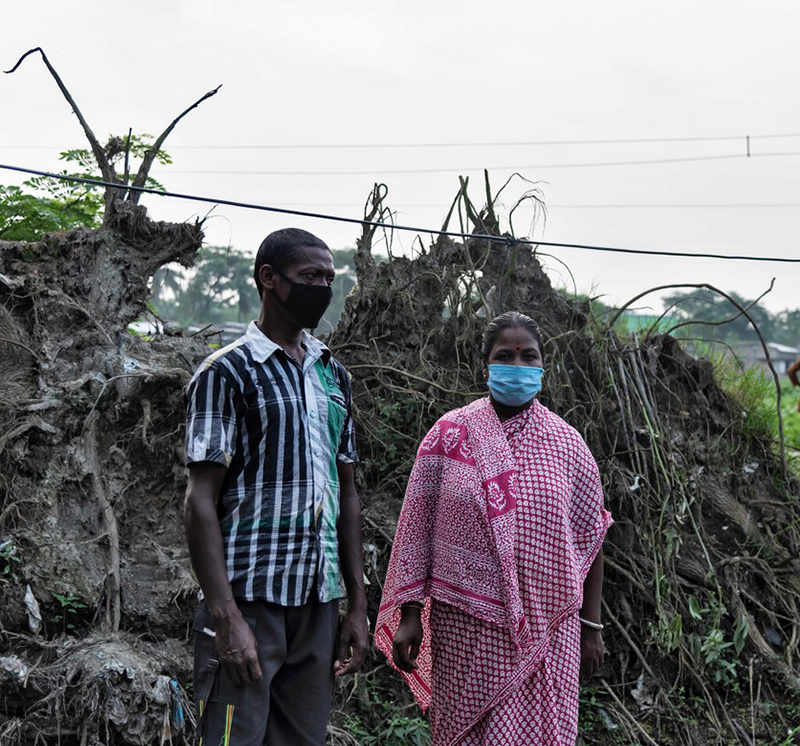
311, 73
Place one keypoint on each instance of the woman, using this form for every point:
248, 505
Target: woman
491, 606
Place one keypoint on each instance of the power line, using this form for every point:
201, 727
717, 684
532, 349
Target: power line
556, 206
708, 206
484, 144
395, 172
389, 226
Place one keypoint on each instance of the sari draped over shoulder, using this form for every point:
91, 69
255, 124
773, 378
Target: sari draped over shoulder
501, 522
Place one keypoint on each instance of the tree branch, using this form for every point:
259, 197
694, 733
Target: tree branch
742, 312
99, 154
724, 321
151, 153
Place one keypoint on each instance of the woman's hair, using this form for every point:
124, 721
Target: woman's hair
509, 320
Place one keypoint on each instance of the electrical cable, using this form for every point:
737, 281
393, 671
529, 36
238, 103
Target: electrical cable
408, 145
379, 224
396, 172
565, 206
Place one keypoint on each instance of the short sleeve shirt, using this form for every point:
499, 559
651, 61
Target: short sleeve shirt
280, 428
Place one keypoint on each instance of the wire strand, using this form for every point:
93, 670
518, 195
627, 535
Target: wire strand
411, 145
390, 226
465, 169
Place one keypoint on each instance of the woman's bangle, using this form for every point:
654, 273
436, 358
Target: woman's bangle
412, 605
591, 625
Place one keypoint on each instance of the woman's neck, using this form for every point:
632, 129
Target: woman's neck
505, 412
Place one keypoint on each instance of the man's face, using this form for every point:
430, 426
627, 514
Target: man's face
312, 265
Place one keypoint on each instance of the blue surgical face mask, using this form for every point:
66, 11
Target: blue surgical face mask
514, 385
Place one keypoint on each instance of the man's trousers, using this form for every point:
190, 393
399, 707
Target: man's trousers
291, 703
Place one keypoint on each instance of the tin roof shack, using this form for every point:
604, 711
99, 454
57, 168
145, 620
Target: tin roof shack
751, 355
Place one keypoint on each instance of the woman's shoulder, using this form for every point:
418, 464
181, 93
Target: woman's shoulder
453, 426
558, 429
449, 420
459, 416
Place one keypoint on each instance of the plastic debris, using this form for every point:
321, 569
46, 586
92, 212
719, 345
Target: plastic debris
177, 706
14, 669
162, 692
607, 719
773, 636
642, 694
34, 613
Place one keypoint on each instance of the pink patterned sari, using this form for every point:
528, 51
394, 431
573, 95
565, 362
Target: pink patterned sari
499, 526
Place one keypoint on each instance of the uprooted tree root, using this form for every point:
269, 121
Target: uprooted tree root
95, 584
90, 478
703, 577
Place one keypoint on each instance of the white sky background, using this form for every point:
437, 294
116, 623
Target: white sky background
311, 72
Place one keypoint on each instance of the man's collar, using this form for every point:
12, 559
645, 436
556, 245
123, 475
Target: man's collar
261, 346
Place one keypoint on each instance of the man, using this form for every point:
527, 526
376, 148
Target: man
792, 372
272, 514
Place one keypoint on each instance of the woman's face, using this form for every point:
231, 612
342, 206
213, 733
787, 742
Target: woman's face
516, 346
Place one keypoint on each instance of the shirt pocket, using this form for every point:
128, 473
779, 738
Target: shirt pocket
337, 416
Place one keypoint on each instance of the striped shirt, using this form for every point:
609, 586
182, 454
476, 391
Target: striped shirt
280, 428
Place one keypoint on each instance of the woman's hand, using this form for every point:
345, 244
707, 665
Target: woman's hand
592, 651
408, 639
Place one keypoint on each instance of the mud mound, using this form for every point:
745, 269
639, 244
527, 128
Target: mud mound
91, 478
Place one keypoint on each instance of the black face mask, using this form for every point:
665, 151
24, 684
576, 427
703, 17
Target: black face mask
306, 304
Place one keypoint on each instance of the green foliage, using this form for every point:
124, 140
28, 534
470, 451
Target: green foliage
741, 632
597, 724
9, 560
43, 205
220, 288
704, 639
344, 261
754, 392
68, 610
790, 397
27, 217
707, 306
713, 649
389, 726
669, 635
782, 327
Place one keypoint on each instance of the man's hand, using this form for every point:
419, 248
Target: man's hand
235, 642
592, 651
407, 640
237, 649
353, 643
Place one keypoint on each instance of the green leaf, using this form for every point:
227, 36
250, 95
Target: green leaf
741, 632
694, 609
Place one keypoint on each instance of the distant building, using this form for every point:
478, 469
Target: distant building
751, 355
655, 323
228, 331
